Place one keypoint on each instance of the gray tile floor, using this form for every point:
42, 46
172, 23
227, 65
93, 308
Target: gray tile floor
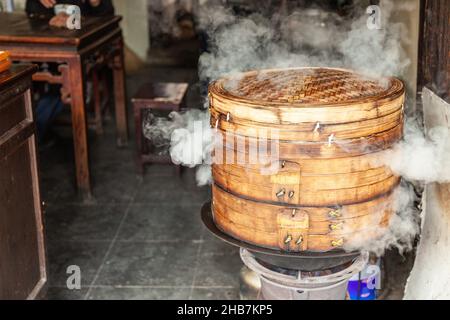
141, 238
135, 246
138, 238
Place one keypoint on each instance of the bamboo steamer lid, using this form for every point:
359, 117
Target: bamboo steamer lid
306, 95
332, 125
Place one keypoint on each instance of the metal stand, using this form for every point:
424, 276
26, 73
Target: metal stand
279, 284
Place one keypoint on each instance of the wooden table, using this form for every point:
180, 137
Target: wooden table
23, 271
99, 42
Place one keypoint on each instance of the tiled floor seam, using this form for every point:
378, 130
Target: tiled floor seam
197, 262
100, 268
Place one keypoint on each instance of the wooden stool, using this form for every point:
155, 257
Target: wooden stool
162, 96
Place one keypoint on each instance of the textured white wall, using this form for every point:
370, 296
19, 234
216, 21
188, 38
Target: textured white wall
135, 25
407, 12
19, 4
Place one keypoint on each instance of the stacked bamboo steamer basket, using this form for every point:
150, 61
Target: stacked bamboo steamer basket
324, 189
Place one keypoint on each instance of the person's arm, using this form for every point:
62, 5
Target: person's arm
100, 7
39, 7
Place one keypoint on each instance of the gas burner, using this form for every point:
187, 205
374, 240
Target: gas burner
305, 261
276, 284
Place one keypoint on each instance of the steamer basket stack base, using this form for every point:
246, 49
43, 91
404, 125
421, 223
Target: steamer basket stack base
262, 277
325, 189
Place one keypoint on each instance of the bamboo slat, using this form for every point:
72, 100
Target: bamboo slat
313, 191
307, 131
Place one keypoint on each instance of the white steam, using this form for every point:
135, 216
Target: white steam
399, 232
159, 129
307, 37
421, 157
203, 175
191, 142
378, 53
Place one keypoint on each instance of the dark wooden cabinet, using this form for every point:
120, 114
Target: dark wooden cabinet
22, 251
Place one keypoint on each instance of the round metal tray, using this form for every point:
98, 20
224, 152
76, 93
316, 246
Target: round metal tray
304, 261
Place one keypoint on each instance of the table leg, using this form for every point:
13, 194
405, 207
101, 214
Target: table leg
79, 126
120, 95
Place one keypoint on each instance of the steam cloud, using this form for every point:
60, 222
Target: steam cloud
421, 157
313, 37
401, 229
310, 37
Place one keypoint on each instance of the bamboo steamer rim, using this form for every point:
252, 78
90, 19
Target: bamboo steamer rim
394, 90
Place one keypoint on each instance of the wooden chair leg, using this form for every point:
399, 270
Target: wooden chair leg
106, 99
97, 103
139, 141
120, 96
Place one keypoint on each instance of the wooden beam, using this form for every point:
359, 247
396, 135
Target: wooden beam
434, 47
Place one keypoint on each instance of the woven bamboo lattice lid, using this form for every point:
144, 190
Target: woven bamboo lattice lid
306, 88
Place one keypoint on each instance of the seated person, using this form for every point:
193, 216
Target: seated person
88, 7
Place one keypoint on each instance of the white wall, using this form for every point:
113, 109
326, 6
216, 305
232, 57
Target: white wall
407, 12
19, 4
135, 25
